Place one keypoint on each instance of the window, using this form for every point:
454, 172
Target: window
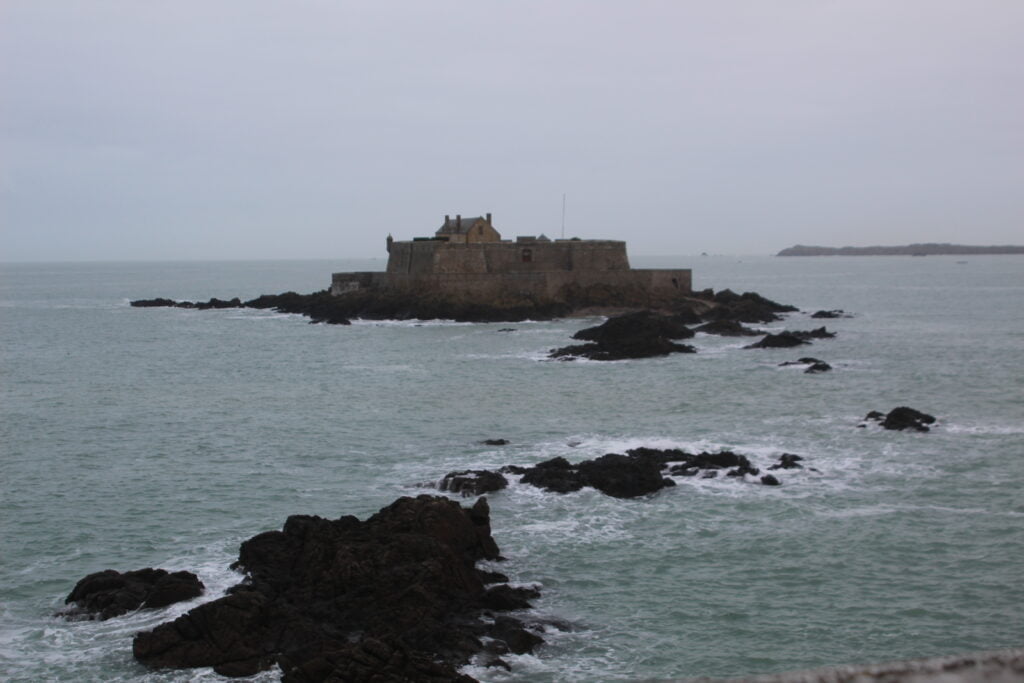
527, 255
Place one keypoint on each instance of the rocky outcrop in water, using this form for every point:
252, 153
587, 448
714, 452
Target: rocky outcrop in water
902, 418
473, 482
110, 593
782, 340
394, 598
749, 307
639, 472
836, 313
323, 307
643, 334
813, 365
371, 304
790, 338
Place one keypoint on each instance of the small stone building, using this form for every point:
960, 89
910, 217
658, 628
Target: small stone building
467, 230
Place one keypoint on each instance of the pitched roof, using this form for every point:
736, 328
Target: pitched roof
449, 227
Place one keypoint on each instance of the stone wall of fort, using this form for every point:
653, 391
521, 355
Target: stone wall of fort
583, 273
647, 288
421, 257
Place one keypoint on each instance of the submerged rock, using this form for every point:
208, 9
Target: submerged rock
815, 368
836, 313
394, 598
813, 365
473, 482
110, 593
902, 418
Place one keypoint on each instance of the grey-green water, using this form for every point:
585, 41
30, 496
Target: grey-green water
164, 437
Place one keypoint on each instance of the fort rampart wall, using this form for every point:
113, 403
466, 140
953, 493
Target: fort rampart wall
436, 256
644, 287
595, 272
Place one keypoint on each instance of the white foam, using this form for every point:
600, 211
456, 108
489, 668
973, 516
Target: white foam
412, 322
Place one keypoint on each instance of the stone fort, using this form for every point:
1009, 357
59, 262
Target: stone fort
466, 259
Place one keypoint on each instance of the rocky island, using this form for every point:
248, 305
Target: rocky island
924, 249
466, 272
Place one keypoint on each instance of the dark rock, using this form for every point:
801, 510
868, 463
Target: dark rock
790, 338
803, 361
394, 598
554, 475
742, 470
473, 482
641, 323
837, 313
622, 476
110, 593
748, 307
372, 304
518, 639
643, 334
727, 328
491, 577
903, 418
218, 303
770, 480
495, 442
787, 461
782, 340
506, 598
151, 303
813, 365
817, 333
507, 329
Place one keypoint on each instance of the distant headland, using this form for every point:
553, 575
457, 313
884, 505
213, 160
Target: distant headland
924, 249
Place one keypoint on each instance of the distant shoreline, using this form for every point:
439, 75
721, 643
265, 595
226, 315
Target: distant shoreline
925, 249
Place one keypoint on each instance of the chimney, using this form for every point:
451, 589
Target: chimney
458, 222
489, 221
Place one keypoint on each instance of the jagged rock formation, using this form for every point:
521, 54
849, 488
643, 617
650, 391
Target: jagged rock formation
373, 304
643, 334
640, 472
902, 418
110, 593
394, 598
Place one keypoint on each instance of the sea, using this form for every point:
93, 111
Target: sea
161, 437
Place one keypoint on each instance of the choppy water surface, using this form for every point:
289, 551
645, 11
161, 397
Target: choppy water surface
164, 437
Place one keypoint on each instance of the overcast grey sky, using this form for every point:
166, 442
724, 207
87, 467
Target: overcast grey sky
313, 128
